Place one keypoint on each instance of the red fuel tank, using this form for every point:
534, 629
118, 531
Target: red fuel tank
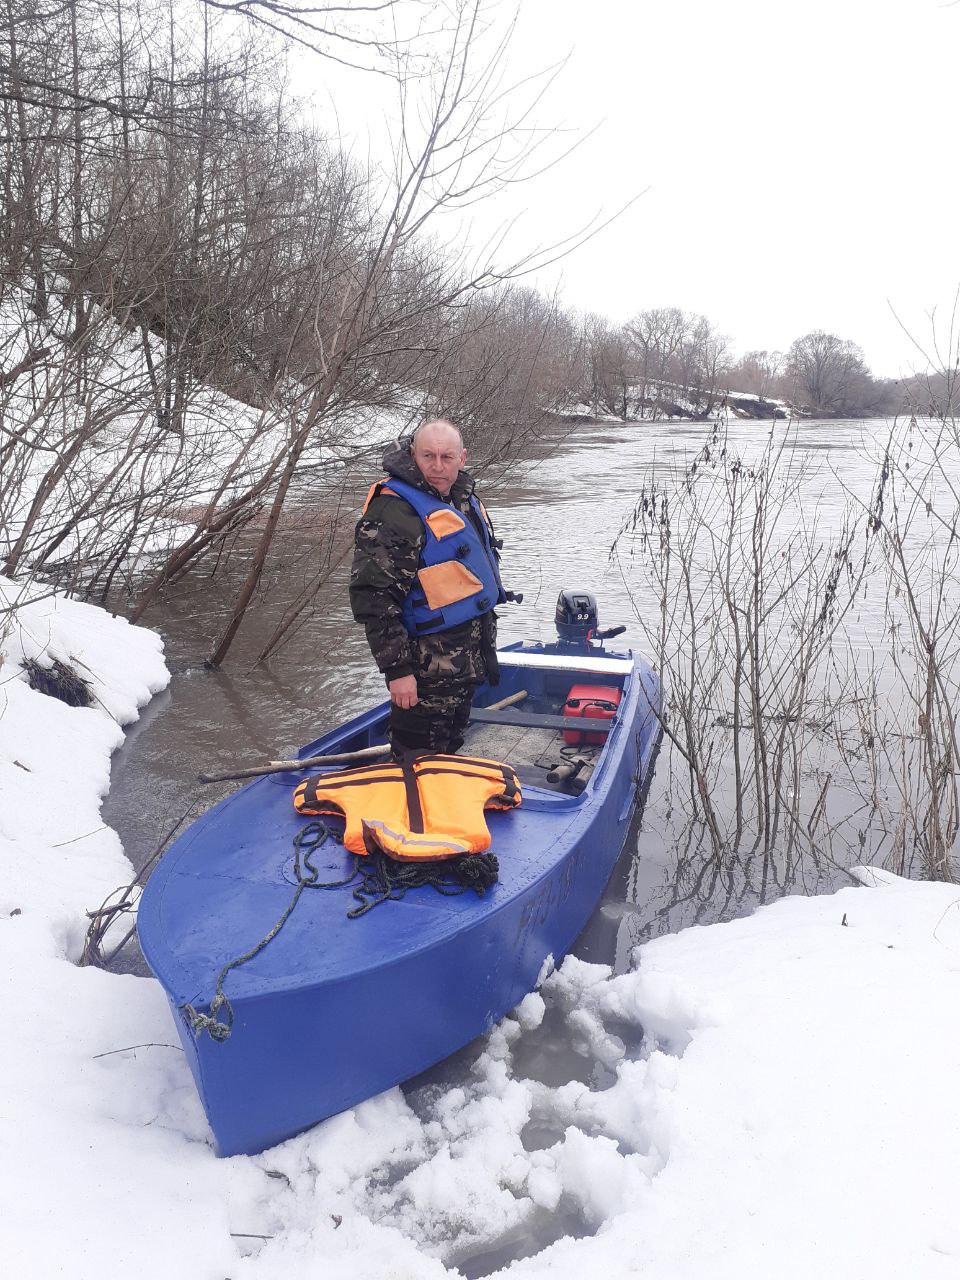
593, 702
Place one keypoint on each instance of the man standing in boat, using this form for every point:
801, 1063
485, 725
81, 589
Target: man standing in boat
425, 583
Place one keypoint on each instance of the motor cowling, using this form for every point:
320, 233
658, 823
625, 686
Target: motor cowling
577, 619
576, 616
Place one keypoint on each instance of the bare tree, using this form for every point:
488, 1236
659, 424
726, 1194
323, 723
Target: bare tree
360, 34
610, 367
656, 336
699, 364
758, 372
830, 375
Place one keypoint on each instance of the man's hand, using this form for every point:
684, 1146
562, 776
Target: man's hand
403, 691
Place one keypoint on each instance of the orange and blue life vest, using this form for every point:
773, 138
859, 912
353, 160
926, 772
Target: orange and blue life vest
421, 810
459, 577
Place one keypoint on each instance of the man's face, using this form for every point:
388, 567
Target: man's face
439, 455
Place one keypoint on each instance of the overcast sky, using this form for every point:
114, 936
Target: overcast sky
798, 163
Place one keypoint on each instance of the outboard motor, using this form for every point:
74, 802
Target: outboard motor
577, 619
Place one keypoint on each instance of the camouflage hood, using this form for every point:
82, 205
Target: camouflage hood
398, 462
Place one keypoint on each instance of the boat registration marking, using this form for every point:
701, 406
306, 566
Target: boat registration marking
552, 894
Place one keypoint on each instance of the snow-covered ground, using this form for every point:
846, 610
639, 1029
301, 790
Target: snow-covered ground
774, 1097
667, 401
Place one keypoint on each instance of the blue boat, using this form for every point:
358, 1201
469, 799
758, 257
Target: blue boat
336, 1009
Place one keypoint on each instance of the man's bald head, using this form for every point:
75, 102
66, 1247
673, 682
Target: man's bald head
434, 425
437, 449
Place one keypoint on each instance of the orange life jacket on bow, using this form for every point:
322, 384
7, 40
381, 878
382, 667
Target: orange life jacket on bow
420, 811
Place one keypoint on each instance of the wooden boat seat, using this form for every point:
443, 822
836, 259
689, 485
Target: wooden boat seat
536, 720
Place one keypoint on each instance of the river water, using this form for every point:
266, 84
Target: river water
559, 518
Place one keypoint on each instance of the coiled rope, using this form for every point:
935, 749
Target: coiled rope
381, 879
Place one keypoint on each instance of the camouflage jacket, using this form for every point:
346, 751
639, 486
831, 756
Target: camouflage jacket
389, 539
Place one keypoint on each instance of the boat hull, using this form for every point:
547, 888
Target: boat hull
335, 1010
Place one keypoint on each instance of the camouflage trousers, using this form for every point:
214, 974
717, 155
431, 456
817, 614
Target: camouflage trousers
437, 723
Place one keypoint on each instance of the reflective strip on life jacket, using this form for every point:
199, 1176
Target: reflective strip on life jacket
429, 808
409, 846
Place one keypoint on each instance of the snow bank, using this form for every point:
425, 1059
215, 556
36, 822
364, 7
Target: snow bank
666, 401
55, 762
769, 1097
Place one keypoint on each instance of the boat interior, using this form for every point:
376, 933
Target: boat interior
538, 731
528, 720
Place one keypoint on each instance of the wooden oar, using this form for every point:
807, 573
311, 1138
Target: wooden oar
283, 766
507, 702
344, 757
